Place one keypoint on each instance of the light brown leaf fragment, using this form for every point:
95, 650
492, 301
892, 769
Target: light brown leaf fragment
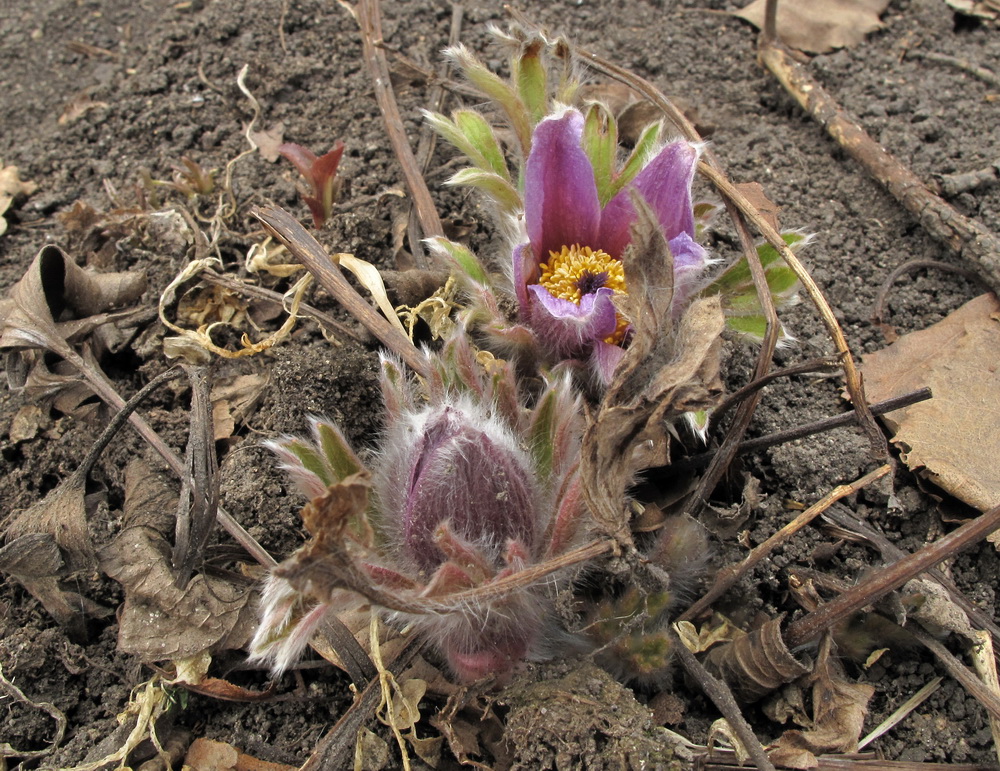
77, 107
820, 26
268, 141
11, 186
953, 438
983, 9
160, 621
839, 709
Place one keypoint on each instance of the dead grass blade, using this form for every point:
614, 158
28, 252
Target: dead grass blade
308, 251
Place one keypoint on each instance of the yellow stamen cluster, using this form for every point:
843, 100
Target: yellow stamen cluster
578, 270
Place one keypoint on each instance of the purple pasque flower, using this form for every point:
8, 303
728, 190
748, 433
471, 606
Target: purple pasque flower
567, 274
474, 497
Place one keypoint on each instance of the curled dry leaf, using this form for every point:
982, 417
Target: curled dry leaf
11, 186
158, 620
55, 306
665, 372
757, 663
34, 561
820, 26
954, 438
839, 709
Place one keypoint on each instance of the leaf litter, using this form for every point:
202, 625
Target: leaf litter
667, 375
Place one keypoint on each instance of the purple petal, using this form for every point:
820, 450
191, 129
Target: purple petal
689, 255
561, 207
604, 359
568, 329
665, 183
525, 272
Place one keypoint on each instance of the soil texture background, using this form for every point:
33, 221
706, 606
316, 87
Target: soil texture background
97, 93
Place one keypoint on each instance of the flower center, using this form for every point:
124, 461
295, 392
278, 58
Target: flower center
576, 270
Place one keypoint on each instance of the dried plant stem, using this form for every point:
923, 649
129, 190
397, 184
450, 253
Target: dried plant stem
985, 75
308, 251
728, 576
878, 315
890, 578
335, 751
809, 429
722, 698
845, 518
428, 138
822, 364
968, 679
966, 238
900, 714
369, 18
852, 378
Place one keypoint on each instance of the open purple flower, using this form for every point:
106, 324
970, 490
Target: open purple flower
569, 271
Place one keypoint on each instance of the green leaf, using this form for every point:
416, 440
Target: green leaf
339, 456
736, 277
479, 134
310, 460
752, 326
452, 133
496, 187
600, 142
638, 157
540, 434
462, 258
529, 74
500, 91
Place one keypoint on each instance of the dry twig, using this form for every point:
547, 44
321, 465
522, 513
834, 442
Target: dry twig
964, 237
728, 576
369, 18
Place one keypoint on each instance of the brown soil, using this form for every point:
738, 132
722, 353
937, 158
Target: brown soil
164, 77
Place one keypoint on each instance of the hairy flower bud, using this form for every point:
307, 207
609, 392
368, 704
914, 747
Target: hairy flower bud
455, 465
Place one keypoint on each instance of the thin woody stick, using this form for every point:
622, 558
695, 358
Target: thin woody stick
966, 238
728, 576
812, 625
369, 18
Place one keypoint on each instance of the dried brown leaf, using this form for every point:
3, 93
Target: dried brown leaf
57, 302
665, 372
63, 514
34, 561
839, 709
158, 620
11, 186
953, 438
820, 26
234, 400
